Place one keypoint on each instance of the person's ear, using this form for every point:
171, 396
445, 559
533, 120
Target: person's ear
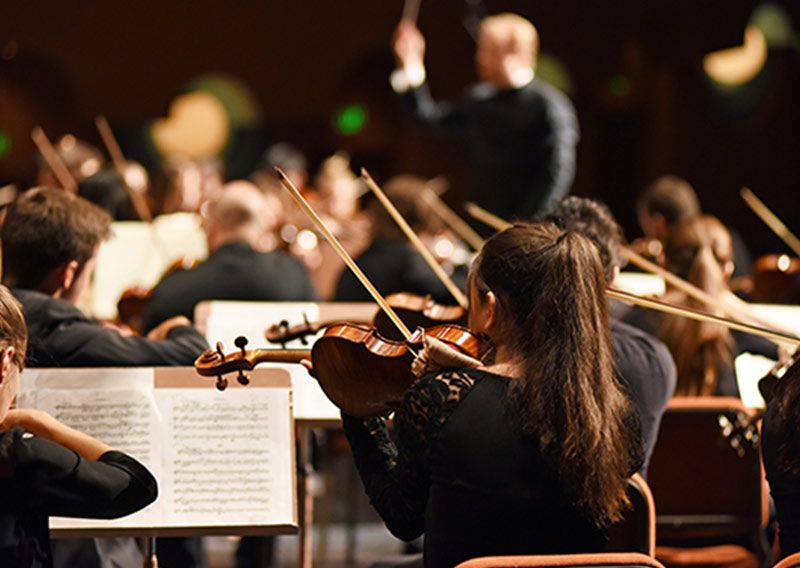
490, 307
6, 360
67, 273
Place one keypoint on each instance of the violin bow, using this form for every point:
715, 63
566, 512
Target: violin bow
737, 308
54, 161
415, 240
411, 10
118, 159
343, 254
666, 307
490, 219
770, 219
451, 219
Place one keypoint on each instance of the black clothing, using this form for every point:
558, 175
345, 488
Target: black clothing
646, 368
392, 266
60, 335
39, 478
518, 143
234, 271
107, 189
648, 321
462, 472
784, 488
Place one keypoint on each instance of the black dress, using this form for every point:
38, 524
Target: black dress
462, 473
784, 488
39, 479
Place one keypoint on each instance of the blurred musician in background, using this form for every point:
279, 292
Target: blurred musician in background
80, 158
517, 133
50, 246
390, 261
699, 249
236, 269
644, 363
666, 201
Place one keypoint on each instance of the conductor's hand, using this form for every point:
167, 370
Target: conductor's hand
408, 45
161, 331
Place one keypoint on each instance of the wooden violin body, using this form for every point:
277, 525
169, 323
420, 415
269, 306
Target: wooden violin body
361, 372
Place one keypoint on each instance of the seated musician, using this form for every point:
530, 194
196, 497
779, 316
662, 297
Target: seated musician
390, 261
780, 447
235, 270
50, 244
666, 201
50, 469
699, 250
644, 363
528, 452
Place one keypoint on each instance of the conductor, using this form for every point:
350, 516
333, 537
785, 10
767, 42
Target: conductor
516, 133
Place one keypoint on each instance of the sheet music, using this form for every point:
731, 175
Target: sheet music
139, 253
221, 458
226, 456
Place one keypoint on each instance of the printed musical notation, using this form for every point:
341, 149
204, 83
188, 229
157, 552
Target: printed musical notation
221, 459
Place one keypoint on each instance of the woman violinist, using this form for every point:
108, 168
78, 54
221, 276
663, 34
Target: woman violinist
530, 452
700, 250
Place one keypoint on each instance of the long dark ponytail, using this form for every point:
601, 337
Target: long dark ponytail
550, 290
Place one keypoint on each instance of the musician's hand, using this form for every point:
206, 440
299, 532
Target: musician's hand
309, 367
437, 355
161, 331
122, 329
408, 45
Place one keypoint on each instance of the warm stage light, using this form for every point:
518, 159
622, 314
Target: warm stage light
197, 126
738, 65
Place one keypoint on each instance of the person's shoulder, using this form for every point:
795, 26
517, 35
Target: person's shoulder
38, 306
632, 344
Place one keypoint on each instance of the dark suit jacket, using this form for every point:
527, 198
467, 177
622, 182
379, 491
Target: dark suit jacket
646, 368
233, 272
518, 143
392, 266
60, 335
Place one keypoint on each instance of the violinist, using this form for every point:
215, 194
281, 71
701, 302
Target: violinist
644, 363
80, 158
699, 249
529, 451
666, 201
50, 246
235, 270
390, 261
51, 469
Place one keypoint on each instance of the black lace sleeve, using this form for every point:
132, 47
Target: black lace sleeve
396, 474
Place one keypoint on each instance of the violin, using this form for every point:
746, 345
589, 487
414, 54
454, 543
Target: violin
775, 278
361, 372
413, 309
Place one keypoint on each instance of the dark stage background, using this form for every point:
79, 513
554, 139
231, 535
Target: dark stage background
645, 105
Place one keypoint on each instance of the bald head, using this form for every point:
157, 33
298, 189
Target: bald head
240, 213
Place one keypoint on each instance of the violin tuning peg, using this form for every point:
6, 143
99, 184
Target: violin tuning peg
303, 341
242, 378
221, 349
283, 324
241, 343
305, 319
222, 383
